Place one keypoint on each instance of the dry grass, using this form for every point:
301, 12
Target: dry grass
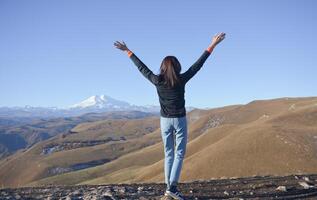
276, 137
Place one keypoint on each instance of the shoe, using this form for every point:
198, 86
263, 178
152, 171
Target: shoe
174, 193
166, 197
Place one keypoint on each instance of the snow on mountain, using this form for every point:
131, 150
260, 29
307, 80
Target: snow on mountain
101, 102
93, 104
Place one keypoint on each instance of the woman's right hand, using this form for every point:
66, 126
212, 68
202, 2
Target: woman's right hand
217, 39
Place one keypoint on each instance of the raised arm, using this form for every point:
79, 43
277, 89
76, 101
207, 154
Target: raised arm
201, 60
147, 73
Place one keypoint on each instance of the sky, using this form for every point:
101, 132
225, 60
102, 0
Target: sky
58, 53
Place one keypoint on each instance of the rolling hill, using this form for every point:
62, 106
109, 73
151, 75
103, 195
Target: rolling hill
18, 133
263, 137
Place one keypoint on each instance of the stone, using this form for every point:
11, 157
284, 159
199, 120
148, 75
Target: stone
306, 179
281, 188
305, 185
140, 189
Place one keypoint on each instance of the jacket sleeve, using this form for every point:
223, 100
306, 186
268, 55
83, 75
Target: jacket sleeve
196, 66
147, 73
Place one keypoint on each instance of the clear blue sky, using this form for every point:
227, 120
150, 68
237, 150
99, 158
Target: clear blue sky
57, 53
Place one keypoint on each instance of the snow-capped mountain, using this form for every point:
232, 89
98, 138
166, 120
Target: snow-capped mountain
104, 103
101, 102
93, 104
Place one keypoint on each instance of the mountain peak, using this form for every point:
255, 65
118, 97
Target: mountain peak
100, 101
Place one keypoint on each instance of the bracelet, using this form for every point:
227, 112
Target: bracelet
129, 53
209, 49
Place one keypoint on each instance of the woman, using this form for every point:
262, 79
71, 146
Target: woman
170, 86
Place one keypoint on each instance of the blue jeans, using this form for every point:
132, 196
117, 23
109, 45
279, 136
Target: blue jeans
174, 136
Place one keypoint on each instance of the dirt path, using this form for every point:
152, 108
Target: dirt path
257, 187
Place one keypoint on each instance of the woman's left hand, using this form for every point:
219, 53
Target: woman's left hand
122, 46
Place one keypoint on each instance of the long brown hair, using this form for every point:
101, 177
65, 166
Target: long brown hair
170, 70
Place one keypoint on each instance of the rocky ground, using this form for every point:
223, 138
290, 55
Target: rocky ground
257, 187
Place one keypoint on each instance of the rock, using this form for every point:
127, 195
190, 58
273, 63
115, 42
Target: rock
76, 193
140, 189
306, 179
166, 198
281, 188
108, 198
213, 189
92, 195
122, 190
305, 185
107, 195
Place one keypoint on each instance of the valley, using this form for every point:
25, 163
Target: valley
276, 137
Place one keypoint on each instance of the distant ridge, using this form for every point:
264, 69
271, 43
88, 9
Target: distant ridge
93, 104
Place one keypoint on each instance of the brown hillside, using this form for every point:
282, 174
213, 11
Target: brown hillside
96, 141
267, 137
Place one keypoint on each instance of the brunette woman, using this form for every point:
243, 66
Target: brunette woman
170, 85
